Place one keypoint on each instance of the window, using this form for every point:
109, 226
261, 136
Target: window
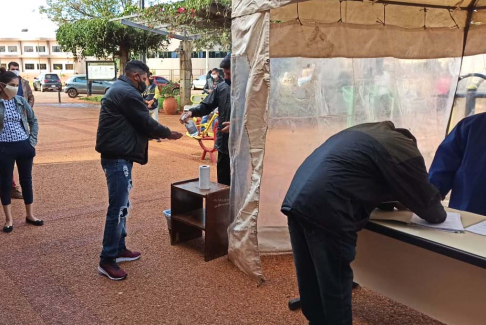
56, 49
81, 79
29, 66
217, 54
198, 55
28, 49
40, 49
2, 48
69, 66
165, 55
41, 66
12, 49
57, 66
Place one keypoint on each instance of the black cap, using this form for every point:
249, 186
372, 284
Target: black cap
226, 63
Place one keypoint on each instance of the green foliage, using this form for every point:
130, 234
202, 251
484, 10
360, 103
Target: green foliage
67, 11
85, 28
101, 38
210, 19
169, 90
96, 99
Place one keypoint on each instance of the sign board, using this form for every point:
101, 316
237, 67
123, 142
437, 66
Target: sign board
100, 70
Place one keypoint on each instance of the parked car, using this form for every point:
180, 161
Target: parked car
47, 81
199, 82
162, 82
77, 85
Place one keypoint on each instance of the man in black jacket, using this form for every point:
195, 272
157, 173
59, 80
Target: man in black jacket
331, 198
124, 128
219, 98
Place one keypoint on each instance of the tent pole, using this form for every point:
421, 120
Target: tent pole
470, 12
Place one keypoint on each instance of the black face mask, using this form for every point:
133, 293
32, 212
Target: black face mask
141, 86
228, 81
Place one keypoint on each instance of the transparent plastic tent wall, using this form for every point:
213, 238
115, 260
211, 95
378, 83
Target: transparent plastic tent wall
291, 94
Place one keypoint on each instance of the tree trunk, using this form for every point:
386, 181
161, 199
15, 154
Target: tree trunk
186, 73
124, 56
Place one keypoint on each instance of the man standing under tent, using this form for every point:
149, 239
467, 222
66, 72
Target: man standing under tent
331, 198
124, 128
459, 165
219, 98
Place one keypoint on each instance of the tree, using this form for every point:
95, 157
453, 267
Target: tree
85, 29
209, 19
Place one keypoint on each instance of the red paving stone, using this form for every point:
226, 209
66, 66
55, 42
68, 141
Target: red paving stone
48, 274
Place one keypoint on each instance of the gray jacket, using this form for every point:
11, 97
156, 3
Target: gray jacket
29, 121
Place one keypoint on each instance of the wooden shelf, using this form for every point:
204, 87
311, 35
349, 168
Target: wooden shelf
195, 218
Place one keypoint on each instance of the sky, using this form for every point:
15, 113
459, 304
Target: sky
20, 14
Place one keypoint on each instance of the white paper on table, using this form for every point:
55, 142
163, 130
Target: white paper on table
453, 223
479, 228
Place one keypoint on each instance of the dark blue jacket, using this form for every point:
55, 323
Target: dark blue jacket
460, 165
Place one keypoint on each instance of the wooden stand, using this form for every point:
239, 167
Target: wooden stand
190, 217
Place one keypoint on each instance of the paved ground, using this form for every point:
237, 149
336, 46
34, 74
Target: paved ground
48, 275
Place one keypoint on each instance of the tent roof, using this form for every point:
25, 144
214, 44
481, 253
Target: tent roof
247, 7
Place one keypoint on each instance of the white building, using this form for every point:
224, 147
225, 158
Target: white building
166, 63
43, 54
38, 55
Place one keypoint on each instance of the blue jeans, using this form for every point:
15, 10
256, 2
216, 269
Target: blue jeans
119, 179
322, 260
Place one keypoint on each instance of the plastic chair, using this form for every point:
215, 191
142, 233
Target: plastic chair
206, 135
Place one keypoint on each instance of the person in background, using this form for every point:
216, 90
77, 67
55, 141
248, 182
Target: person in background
26, 92
18, 138
459, 165
213, 81
124, 128
331, 198
151, 98
219, 99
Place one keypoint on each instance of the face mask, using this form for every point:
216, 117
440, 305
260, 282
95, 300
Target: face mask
10, 91
17, 72
141, 86
214, 76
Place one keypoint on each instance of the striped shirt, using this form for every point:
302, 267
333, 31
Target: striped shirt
13, 131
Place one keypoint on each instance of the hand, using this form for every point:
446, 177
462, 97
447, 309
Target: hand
226, 128
150, 103
175, 135
210, 91
185, 116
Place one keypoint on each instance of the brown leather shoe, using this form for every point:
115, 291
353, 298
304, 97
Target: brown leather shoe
17, 194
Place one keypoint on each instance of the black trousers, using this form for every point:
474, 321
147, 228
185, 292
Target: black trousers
23, 154
324, 274
224, 168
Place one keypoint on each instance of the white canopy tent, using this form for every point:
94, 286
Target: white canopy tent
304, 70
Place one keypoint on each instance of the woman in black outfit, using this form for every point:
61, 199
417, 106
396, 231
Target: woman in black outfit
18, 137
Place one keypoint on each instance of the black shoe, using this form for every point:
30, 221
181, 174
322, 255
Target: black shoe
7, 229
35, 223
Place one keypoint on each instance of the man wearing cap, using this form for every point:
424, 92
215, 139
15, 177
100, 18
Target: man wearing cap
219, 98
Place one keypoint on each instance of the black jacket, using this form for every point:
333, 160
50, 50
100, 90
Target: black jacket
125, 124
220, 98
341, 182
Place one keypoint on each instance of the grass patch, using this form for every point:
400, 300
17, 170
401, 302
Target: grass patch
95, 99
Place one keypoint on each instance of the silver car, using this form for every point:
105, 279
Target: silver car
78, 85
